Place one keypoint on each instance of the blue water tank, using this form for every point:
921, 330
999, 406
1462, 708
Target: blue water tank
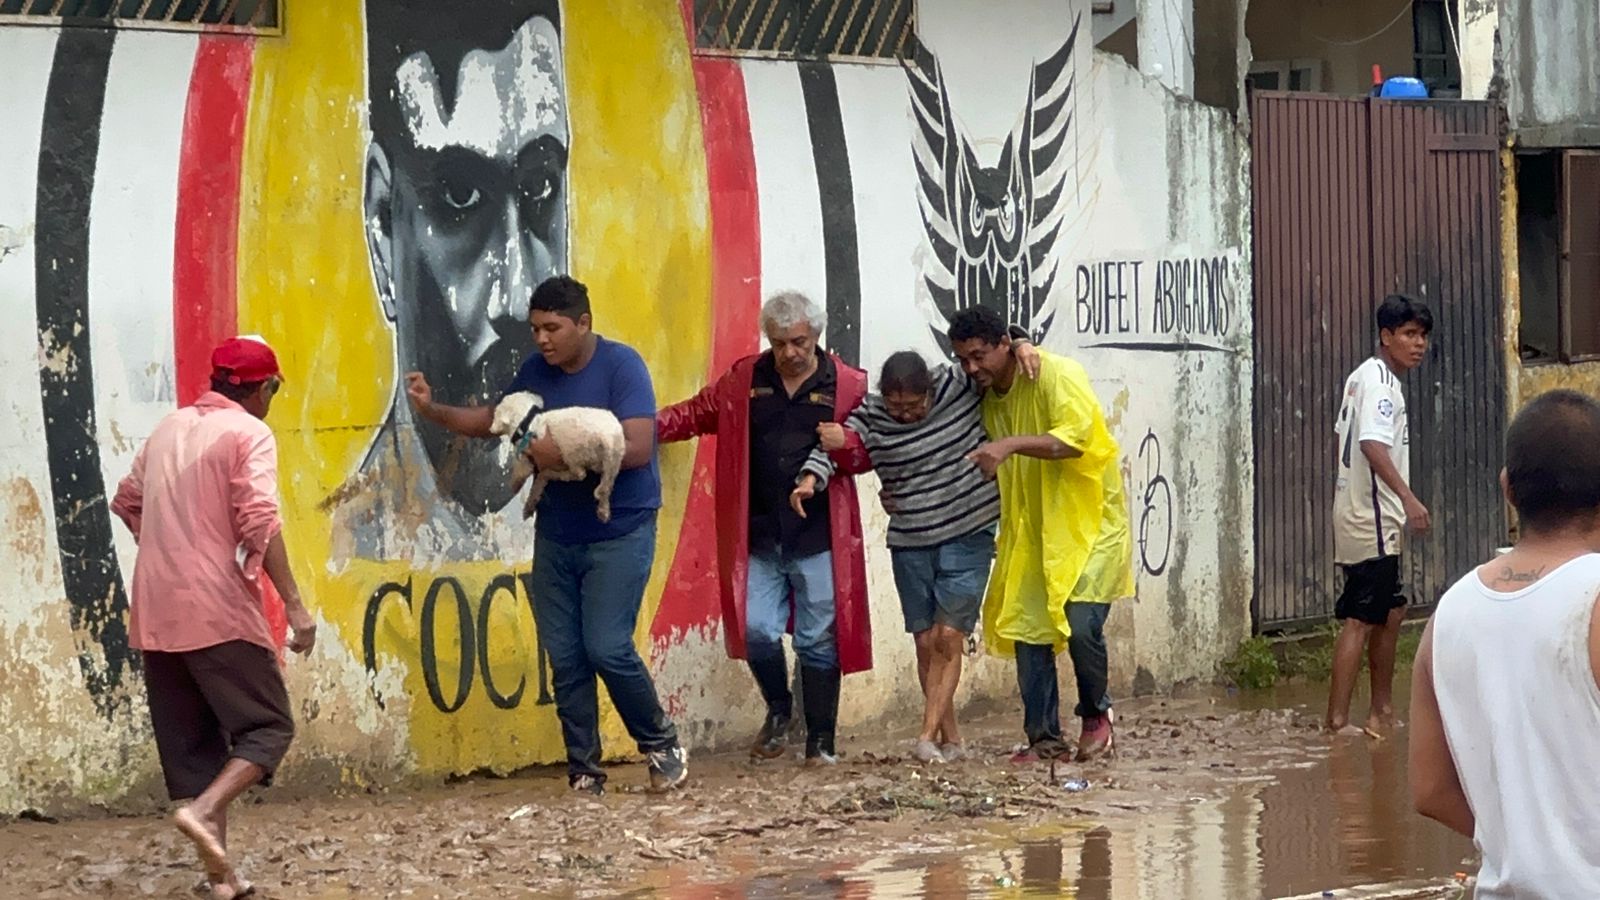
1404, 87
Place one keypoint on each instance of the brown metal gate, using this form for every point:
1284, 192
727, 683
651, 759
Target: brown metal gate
1355, 199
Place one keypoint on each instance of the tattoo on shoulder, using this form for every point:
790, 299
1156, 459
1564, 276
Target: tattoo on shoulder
1521, 576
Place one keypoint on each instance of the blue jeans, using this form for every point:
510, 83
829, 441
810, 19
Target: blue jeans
1036, 673
586, 600
775, 587
944, 583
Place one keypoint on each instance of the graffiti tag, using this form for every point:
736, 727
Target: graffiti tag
1155, 521
1167, 298
471, 630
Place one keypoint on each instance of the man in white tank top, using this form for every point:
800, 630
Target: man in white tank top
1505, 698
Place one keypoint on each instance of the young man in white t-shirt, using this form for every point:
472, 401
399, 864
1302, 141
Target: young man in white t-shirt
1372, 504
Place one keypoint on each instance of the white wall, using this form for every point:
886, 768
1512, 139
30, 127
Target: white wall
1153, 189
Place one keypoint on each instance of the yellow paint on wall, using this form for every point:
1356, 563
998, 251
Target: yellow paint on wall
641, 230
640, 238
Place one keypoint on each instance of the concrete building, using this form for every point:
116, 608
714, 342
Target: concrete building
346, 177
1537, 61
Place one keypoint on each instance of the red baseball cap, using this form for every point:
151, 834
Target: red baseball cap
244, 360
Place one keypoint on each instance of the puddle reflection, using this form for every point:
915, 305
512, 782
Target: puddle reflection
1340, 819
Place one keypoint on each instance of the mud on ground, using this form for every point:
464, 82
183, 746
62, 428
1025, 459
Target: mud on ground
527, 835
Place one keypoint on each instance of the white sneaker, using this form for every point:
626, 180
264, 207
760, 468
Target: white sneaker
668, 768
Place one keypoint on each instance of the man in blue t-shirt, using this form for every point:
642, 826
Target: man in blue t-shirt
588, 576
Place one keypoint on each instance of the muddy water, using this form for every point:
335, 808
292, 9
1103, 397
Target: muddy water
1210, 797
1335, 818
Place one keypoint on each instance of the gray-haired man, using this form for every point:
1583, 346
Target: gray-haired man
776, 561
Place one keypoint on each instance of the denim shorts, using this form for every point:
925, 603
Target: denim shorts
944, 583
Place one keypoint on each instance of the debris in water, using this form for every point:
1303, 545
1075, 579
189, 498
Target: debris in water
519, 812
1075, 785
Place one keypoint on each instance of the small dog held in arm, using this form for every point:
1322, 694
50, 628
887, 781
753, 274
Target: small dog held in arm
590, 440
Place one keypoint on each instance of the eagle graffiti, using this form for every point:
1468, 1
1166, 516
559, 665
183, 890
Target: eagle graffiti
993, 229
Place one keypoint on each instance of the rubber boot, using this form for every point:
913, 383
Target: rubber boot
819, 689
772, 677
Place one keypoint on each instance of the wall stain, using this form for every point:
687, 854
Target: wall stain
24, 524
13, 240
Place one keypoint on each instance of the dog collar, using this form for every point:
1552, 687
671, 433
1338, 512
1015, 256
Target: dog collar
520, 435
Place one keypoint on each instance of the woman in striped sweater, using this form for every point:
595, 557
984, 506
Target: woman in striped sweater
916, 432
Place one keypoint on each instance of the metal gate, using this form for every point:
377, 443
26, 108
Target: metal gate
1354, 199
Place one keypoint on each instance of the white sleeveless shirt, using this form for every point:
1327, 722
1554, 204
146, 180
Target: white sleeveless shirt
1522, 715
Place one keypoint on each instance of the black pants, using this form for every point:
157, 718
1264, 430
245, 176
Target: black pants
1036, 673
214, 704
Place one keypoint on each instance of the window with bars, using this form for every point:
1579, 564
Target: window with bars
254, 15
1435, 47
877, 30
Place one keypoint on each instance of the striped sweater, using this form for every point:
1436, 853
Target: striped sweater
931, 492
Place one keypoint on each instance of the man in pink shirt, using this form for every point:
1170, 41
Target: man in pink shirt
202, 502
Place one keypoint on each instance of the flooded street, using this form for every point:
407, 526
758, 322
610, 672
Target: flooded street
1335, 817
1210, 797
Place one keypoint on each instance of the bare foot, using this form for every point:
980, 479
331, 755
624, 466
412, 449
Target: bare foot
1382, 721
203, 833
231, 889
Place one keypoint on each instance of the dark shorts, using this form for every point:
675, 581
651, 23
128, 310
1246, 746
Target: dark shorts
1371, 591
944, 583
213, 704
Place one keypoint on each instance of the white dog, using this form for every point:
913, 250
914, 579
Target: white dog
590, 440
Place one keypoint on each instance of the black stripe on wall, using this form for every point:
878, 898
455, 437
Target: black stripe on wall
69, 146
841, 254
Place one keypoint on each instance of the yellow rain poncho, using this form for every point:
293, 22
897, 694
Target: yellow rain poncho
1063, 523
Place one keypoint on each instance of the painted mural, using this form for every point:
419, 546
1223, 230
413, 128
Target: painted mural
993, 228
376, 192
465, 203
474, 152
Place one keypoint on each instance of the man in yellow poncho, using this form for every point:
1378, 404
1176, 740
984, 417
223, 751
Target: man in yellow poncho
1064, 550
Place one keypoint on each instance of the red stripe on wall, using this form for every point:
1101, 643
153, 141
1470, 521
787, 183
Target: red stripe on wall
686, 7
690, 599
205, 268
735, 212
205, 265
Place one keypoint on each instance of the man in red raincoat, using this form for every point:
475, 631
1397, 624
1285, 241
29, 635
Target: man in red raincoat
784, 563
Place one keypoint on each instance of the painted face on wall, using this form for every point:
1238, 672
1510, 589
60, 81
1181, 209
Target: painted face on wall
466, 210
993, 268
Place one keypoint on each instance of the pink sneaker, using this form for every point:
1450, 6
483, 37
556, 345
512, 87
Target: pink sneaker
1095, 741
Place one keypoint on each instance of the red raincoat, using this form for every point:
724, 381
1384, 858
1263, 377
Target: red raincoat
723, 409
